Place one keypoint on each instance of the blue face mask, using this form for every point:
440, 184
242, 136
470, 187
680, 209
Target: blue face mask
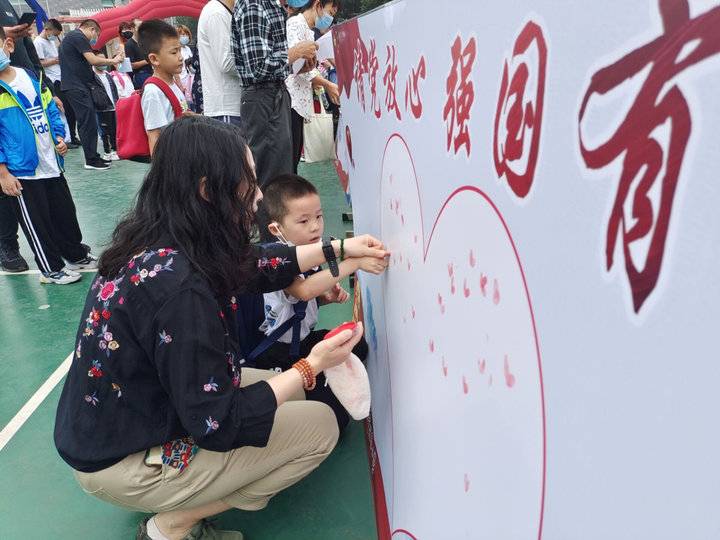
324, 22
4, 60
184, 40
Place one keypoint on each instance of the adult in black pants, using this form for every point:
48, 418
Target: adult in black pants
263, 62
76, 61
23, 56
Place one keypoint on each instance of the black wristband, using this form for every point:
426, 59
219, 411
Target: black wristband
330, 257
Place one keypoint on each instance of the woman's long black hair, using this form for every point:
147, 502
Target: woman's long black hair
213, 231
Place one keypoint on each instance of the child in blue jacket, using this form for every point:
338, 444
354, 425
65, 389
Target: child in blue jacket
31, 171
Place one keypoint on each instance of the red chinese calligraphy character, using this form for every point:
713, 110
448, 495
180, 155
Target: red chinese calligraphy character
359, 70
412, 89
518, 119
390, 79
461, 95
373, 67
659, 102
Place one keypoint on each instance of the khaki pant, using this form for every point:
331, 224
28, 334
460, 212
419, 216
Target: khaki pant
303, 435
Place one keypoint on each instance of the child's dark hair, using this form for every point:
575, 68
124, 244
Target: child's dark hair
152, 33
126, 25
2, 33
283, 188
212, 227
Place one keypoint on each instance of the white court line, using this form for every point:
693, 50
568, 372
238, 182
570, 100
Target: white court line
35, 272
9, 431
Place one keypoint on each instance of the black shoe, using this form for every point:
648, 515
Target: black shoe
75, 141
73, 146
12, 261
97, 164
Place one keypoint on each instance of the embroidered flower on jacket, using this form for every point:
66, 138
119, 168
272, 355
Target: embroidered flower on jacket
273, 262
233, 304
92, 400
233, 369
107, 341
211, 385
96, 369
116, 388
165, 338
108, 290
212, 425
141, 274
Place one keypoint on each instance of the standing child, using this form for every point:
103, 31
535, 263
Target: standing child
123, 83
161, 43
106, 115
295, 211
31, 171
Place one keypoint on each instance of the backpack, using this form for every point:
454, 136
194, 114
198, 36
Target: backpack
132, 140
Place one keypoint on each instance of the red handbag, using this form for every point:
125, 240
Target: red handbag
132, 140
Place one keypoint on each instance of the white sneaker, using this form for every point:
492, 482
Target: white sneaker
88, 263
106, 156
114, 156
59, 278
71, 272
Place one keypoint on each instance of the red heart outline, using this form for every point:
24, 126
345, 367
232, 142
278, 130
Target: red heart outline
379, 496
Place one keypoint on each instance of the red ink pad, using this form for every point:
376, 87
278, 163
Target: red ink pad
341, 328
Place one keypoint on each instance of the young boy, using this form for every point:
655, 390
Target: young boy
161, 43
106, 115
31, 171
296, 218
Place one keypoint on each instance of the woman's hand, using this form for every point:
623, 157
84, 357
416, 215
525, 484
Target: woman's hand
365, 246
334, 351
333, 92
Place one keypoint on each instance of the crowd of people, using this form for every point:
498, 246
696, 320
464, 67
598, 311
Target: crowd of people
161, 411
253, 65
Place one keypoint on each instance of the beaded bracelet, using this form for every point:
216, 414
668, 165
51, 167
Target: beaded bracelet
307, 374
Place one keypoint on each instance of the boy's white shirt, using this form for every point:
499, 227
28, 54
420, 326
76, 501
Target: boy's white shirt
156, 107
279, 307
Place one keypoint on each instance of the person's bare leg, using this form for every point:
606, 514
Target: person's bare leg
176, 524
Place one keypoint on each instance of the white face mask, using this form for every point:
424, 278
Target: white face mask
281, 237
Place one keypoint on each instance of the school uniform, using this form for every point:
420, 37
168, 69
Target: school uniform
29, 124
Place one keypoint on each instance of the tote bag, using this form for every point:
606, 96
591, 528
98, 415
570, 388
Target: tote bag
319, 141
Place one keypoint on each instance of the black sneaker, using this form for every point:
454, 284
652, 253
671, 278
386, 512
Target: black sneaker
73, 146
97, 164
12, 261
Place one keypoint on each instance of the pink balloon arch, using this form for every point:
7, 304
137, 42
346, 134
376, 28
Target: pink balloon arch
110, 19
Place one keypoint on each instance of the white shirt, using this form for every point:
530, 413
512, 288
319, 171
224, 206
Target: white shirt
222, 92
300, 86
48, 166
157, 109
279, 307
47, 50
123, 83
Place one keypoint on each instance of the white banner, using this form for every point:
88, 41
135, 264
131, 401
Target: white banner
543, 347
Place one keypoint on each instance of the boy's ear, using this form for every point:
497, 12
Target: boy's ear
9, 44
153, 59
203, 189
274, 228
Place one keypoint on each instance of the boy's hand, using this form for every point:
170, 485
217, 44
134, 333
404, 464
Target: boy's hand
373, 265
10, 185
61, 147
336, 295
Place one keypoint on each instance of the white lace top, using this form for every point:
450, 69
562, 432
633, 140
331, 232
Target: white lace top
299, 86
